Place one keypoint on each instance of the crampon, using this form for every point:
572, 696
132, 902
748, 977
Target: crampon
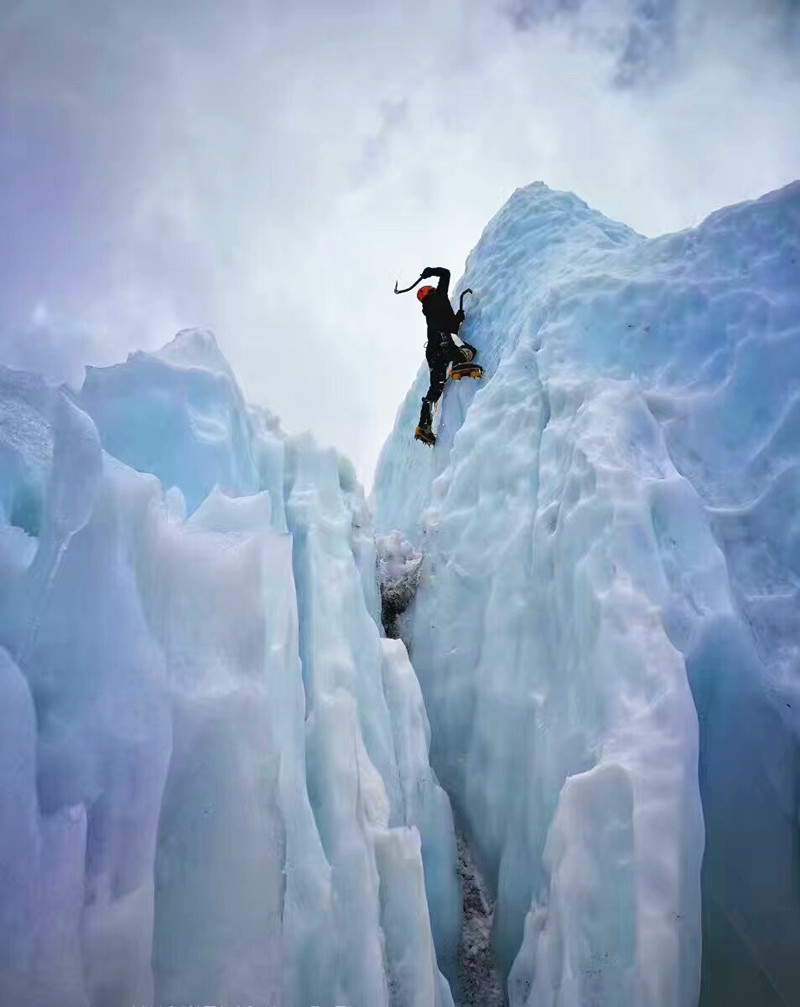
466, 370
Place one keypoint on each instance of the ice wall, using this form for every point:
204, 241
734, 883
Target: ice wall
607, 520
214, 776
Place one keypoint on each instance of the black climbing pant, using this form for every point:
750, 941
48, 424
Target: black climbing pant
440, 352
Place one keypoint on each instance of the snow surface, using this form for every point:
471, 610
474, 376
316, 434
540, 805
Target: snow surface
609, 524
214, 776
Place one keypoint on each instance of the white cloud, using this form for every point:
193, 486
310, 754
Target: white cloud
268, 170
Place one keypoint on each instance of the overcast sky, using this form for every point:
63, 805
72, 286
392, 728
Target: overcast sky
268, 170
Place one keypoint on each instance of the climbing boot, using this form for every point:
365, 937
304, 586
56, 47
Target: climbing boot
424, 432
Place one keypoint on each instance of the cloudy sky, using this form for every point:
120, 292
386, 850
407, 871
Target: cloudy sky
269, 169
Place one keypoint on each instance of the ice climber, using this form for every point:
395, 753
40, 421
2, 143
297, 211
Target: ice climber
441, 350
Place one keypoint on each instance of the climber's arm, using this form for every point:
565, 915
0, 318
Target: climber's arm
444, 277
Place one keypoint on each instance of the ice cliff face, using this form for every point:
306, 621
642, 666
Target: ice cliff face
606, 625
214, 778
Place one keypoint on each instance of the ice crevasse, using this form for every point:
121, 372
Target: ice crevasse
214, 777
219, 782
606, 624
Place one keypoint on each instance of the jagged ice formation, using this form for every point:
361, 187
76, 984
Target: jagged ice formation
215, 782
612, 553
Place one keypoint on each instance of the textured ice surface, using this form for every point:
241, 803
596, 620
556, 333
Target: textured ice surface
609, 519
214, 776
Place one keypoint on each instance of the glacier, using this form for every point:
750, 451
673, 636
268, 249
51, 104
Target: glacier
605, 621
257, 730
215, 785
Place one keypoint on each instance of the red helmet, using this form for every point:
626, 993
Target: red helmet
423, 292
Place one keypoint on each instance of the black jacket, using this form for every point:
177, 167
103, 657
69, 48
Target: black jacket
436, 307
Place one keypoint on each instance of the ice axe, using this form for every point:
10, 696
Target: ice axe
405, 290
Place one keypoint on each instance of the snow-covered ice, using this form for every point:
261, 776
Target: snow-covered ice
399, 565
214, 782
610, 539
